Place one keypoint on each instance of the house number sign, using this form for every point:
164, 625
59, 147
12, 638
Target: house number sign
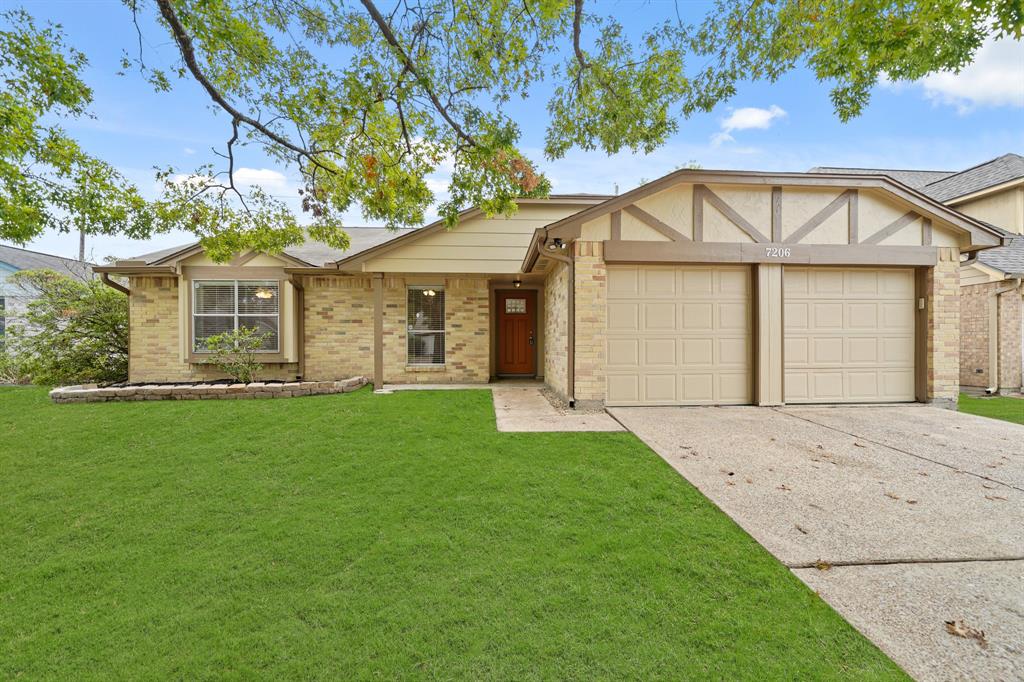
778, 252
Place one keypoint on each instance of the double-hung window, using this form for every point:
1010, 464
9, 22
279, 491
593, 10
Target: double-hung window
425, 325
220, 306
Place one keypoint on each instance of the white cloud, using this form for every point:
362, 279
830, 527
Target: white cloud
269, 179
188, 151
747, 118
995, 78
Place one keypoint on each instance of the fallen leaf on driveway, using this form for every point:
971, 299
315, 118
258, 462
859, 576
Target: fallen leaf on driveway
822, 565
911, 501
961, 629
995, 497
859, 445
802, 530
892, 496
784, 487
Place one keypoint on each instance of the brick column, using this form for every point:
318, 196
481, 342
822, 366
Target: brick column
591, 321
942, 354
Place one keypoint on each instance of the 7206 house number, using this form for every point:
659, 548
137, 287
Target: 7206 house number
777, 252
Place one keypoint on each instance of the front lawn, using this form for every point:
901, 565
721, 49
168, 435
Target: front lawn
1001, 407
358, 536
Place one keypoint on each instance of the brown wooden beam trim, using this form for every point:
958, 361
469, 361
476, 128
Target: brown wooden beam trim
893, 227
135, 270
926, 232
921, 334
378, 331
776, 214
853, 215
654, 223
798, 254
734, 217
616, 225
300, 310
818, 218
698, 213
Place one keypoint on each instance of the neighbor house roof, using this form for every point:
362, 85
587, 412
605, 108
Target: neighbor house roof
311, 252
23, 259
946, 186
1008, 259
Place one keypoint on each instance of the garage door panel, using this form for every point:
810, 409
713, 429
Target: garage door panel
679, 335
857, 344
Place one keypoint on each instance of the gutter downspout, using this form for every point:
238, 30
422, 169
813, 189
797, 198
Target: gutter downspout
993, 333
105, 278
570, 322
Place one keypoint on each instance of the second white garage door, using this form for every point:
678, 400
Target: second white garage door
678, 335
849, 335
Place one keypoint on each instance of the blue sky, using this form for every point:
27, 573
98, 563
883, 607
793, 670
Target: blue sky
947, 122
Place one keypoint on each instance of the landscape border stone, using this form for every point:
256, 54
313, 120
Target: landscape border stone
91, 393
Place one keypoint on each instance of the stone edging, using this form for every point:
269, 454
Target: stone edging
90, 393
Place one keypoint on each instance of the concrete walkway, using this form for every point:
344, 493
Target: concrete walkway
521, 407
915, 515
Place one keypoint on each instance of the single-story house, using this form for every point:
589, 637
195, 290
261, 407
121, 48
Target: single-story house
702, 287
14, 299
991, 294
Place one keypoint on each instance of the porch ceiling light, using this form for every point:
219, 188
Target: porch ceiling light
517, 282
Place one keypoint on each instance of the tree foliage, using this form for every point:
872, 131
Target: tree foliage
363, 101
74, 331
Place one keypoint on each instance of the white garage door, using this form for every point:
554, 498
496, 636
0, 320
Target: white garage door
849, 335
678, 335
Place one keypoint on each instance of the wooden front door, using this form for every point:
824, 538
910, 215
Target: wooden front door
517, 332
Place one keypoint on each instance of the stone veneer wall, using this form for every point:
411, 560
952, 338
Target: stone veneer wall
556, 308
154, 350
974, 339
467, 333
339, 327
942, 292
591, 321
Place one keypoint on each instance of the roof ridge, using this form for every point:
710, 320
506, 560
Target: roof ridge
48, 255
977, 166
899, 170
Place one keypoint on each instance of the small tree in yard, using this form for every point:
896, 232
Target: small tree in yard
74, 331
235, 353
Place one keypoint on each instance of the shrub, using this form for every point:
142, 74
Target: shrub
74, 331
235, 353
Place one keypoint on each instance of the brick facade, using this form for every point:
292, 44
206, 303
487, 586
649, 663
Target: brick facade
975, 367
556, 306
339, 327
942, 349
591, 321
155, 347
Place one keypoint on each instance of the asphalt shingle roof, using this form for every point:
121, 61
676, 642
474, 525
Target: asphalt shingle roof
995, 172
1007, 259
915, 179
313, 252
23, 259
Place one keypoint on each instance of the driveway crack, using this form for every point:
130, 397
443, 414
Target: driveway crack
895, 562
896, 449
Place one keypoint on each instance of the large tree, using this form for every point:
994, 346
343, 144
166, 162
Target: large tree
363, 101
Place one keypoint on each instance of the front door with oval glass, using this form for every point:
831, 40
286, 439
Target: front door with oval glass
517, 332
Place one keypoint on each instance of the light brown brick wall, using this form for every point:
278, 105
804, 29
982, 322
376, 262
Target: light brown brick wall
155, 347
556, 309
467, 334
1011, 310
591, 321
339, 327
942, 293
974, 335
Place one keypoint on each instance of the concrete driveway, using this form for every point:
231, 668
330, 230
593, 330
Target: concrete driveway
915, 515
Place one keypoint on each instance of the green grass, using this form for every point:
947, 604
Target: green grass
362, 536
1007, 409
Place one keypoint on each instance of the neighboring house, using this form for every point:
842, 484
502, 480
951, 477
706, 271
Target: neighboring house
14, 299
992, 296
702, 287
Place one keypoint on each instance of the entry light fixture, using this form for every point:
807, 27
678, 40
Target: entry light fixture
556, 244
517, 282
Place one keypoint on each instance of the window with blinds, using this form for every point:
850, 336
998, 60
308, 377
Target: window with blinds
425, 325
220, 306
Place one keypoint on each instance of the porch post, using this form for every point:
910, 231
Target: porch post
378, 331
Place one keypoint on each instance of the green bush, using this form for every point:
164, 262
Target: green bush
235, 353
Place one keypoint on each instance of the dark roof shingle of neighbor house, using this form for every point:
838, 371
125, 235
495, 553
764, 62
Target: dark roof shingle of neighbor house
1007, 259
311, 251
23, 259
